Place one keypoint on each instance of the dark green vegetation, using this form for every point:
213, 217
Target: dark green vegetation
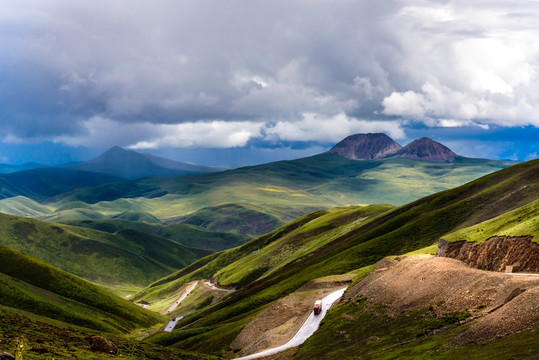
334, 242
351, 330
29, 284
232, 218
184, 234
46, 339
125, 257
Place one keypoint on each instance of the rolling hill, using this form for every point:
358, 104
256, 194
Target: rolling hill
54, 315
184, 234
128, 257
285, 189
29, 284
339, 241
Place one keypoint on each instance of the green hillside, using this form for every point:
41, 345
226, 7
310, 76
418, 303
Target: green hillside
127, 257
43, 338
23, 206
233, 218
29, 284
333, 242
522, 221
188, 235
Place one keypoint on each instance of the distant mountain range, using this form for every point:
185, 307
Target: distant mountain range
125, 185
10, 168
129, 164
377, 146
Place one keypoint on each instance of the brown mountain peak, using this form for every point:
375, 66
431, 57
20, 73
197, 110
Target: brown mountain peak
427, 150
366, 146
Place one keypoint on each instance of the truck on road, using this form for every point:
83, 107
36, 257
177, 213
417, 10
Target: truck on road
317, 307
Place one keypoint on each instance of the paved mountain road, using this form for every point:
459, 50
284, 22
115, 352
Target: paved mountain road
213, 287
307, 329
172, 324
182, 298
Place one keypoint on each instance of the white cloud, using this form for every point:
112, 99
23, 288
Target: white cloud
105, 132
469, 61
214, 134
313, 127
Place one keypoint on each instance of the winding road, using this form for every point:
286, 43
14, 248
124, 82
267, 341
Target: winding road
182, 298
307, 329
213, 287
172, 324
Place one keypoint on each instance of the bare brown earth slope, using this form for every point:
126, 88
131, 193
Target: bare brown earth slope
500, 304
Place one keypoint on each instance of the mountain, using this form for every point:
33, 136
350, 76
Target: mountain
284, 190
376, 146
426, 149
366, 146
326, 249
129, 164
256, 199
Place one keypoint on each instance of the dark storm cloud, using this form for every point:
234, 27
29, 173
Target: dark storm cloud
71, 71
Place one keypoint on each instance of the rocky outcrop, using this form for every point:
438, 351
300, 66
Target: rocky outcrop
99, 343
498, 253
366, 146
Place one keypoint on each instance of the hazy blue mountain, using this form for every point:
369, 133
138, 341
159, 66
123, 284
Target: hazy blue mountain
41, 183
10, 168
129, 164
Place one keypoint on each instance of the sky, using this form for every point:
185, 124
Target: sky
250, 81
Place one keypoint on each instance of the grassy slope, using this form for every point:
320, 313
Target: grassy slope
235, 218
46, 339
397, 231
126, 257
188, 235
23, 206
29, 284
522, 221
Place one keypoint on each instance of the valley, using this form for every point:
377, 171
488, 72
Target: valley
239, 257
